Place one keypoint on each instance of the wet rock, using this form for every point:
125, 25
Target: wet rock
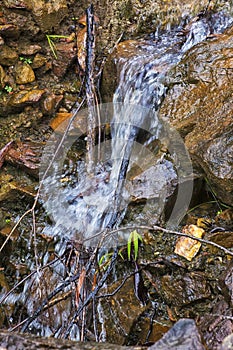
62, 119
223, 238
48, 14
226, 282
24, 21
184, 289
151, 184
9, 31
14, 341
134, 18
18, 4
2, 77
30, 50
184, 335
216, 325
11, 190
39, 61
225, 219
24, 74
8, 56
118, 314
23, 98
51, 103
26, 156
66, 54
199, 105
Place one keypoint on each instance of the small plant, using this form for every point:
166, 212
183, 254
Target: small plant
52, 45
8, 89
134, 239
7, 221
26, 60
105, 259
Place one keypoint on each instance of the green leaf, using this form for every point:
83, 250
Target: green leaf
134, 238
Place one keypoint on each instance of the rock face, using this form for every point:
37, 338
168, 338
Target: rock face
199, 105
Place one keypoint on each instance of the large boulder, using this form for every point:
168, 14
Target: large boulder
199, 104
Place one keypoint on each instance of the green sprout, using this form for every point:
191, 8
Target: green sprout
8, 89
105, 259
134, 238
7, 221
52, 45
26, 60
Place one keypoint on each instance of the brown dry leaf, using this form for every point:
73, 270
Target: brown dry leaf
80, 285
187, 247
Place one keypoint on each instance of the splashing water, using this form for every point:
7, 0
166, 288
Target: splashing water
100, 200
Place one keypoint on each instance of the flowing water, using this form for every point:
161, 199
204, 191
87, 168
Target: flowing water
138, 144
99, 200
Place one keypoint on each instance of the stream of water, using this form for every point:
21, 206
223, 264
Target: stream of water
99, 200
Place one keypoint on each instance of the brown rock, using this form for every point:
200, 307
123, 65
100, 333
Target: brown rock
25, 155
24, 97
2, 77
15, 4
62, 119
226, 283
122, 309
39, 61
8, 56
199, 105
30, 50
223, 238
187, 247
15, 341
216, 325
24, 74
10, 190
185, 289
9, 31
51, 103
48, 14
66, 54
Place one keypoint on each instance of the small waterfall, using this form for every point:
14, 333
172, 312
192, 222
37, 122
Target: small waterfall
94, 203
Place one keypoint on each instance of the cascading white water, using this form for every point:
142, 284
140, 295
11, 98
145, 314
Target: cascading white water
98, 201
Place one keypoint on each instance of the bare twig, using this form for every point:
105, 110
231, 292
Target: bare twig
160, 229
90, 86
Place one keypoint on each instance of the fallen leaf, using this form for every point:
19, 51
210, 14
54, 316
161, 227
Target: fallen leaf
188, 247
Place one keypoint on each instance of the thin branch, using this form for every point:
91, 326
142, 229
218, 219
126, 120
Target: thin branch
161, 229
90, 86
93, 293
